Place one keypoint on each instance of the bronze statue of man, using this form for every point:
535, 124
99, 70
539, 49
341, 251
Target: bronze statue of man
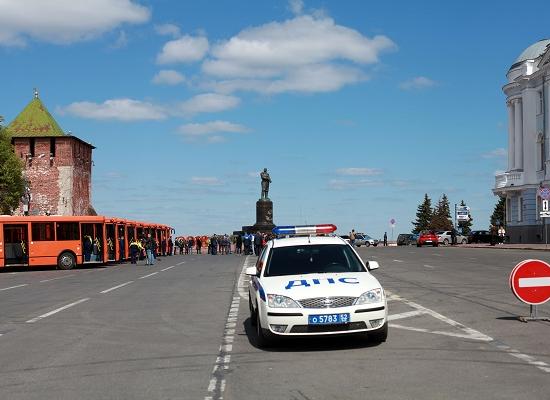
266, 180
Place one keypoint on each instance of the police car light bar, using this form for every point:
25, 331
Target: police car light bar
304, 229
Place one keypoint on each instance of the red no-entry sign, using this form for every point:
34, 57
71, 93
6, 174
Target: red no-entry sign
530, 281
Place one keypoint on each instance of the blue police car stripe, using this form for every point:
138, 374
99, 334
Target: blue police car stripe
259, 287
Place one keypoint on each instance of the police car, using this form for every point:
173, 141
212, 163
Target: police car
305, 285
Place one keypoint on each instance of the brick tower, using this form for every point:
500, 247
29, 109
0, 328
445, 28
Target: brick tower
57, 166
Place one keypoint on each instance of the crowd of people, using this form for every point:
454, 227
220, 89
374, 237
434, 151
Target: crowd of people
245, 244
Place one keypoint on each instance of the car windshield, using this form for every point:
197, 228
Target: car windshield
312, 259
367, 237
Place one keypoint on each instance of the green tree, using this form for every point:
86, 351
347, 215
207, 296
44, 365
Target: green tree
499, 213
465, 226
12, 183
423, 215
441, 216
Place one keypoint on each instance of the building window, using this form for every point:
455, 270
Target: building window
540, 105
541, 159
31, 146
539, 208
508, 209
520, 209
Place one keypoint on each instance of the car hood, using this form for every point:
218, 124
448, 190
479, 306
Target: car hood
308, 286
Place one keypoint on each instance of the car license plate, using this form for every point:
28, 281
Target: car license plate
325, 319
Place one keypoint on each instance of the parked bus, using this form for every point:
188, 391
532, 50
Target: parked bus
67, 241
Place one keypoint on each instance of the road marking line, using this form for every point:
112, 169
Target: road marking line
166, 269
429, 266
399, 261
469, 333
147, 276
534, 282
217, 384
409, 314
30, 321
183, 262
116, 287
14, 287
53, 279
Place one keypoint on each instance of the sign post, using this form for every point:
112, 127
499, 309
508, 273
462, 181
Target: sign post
392, 224
530, 283
544, 194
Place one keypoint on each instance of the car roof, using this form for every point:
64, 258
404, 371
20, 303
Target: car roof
308, 240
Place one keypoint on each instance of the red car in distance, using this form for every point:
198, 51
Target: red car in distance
427, 238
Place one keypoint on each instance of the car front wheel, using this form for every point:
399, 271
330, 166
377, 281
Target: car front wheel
367, 244
464, 241
253, 317
446, 242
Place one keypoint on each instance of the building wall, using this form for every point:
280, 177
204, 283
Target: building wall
59, 183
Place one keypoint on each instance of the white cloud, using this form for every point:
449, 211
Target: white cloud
305, 54
296, 6
118, 109
496, 153
208, 103
419, 82
359, 171
341, 184
206, 181
65, 21
168, 77
183, 50
168, 30
208, 128
121, 41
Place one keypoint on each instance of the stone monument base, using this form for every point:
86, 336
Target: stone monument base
264, 217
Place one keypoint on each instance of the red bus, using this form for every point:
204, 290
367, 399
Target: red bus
67, 241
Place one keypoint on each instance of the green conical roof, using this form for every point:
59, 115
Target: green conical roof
34, 120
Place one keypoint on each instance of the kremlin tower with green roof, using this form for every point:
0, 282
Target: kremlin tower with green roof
57, 166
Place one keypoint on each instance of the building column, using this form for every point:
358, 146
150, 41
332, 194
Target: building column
518, 134
511, 165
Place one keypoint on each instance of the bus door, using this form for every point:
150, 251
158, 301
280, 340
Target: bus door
16, 244
111, 242
121, 244
92, 241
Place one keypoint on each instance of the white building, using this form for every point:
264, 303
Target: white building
528, 101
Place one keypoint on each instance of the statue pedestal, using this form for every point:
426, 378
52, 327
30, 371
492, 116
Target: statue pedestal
264, 217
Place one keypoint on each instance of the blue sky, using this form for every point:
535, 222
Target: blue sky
357, 108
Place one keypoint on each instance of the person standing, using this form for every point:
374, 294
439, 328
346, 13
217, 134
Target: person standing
150, 250
214, 245
199, 245
453, 237
239, 244
352, 237
385, 238
134, 250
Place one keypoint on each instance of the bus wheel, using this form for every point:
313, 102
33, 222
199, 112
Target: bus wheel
66, 261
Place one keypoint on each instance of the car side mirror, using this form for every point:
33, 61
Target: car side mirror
371, 265
251, 271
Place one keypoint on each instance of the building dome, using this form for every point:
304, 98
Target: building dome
532, 52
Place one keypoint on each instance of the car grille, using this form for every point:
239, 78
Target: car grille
328, 328
327, 302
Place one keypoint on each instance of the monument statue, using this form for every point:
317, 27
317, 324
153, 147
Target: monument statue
266, 180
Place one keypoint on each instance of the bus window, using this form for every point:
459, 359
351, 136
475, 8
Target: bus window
67, 231
42, 231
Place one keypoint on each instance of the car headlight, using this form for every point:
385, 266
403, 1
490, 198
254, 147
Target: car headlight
278, 301
372, 296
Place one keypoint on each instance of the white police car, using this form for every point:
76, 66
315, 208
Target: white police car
314, 285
